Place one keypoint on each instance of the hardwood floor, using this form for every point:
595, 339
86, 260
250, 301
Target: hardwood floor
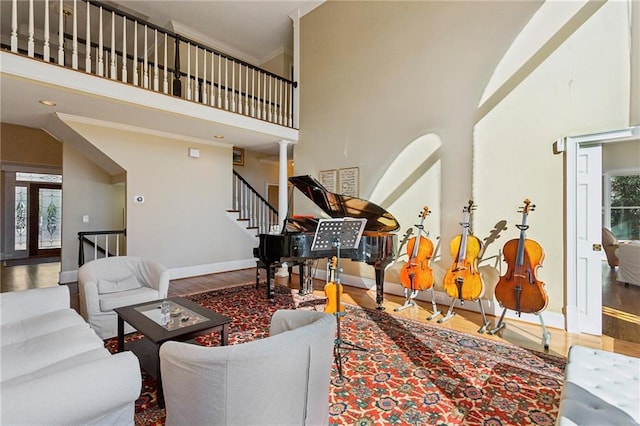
620, 315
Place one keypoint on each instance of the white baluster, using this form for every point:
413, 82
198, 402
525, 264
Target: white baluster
145, 70
212, 98
46, 53
106, 245
125, 77
196, 83
205, 92
219, 82
61, 35
30, 42
113, 71
188, 71
246, 92
270, 99
14, 26
135, 53
240, 103
226, 80
165, 82
74, 51
95, 246
117, 245
260, 100
233, 86
87, 48
100, 47
253, 92
156, 72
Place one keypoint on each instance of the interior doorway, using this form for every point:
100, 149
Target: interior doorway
272, 194
584, 224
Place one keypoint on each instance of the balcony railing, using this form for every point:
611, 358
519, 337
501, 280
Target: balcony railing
90, 36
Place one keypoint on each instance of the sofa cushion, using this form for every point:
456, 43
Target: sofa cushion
108, 302
63, 365
30, 328
115, 286
42, 351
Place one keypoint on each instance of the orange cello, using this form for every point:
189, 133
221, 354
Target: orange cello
333, 290
463, 281
416, 274
519, 289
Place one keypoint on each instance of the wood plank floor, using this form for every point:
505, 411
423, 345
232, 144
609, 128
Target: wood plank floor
619, 319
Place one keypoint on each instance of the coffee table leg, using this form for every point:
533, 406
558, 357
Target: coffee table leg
159, 389
224, 335
120, 334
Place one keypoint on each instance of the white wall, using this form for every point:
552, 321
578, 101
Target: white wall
437, 103
182, 222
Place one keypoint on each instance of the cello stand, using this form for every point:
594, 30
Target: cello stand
451, 314
546, 337
409, 295
435, 312
335, 233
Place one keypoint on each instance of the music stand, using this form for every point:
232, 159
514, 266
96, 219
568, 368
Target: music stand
339, 233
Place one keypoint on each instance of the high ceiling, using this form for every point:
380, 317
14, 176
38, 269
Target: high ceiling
250, 30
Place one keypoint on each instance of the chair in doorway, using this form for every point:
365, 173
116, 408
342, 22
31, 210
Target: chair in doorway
610, 244
111, 282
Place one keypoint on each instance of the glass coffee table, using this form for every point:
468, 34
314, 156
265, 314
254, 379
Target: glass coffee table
186, 320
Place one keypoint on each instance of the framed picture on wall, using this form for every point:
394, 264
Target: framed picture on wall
238, 156
329, 179
349, 181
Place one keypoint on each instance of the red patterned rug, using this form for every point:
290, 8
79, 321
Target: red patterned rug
410, 373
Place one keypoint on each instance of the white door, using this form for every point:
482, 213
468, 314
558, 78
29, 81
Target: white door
588, 235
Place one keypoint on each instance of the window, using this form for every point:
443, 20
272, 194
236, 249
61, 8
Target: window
622, 203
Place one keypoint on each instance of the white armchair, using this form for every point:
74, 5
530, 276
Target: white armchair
112, 282
282, 379
629, 262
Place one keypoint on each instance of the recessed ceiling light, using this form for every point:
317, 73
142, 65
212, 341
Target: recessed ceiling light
47, 103
218, 136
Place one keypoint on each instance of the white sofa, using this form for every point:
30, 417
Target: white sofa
283, 379
112, 282
601, 388
55, 369
629, 262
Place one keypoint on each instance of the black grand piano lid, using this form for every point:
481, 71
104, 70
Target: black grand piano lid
339, 206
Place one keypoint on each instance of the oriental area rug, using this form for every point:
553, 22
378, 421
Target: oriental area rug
410, 373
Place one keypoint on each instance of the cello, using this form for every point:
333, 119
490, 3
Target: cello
416, 274
463, 281
519, 289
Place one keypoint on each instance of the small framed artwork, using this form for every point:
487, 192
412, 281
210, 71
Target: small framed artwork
329, 179
349, 181
238, 156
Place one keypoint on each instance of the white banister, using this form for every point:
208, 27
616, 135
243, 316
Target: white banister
189, 72
145, 70
125, 77
14, 26
196, 97
165, 86
46, 49
30, 39
233, 86
226, 86
156, 73
74, 45
61, 35
205, 91
100, 47
253, 92
87, 59
112, 64
219, 82
212, 96
135, 54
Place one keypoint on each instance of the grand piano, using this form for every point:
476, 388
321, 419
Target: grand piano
293, 244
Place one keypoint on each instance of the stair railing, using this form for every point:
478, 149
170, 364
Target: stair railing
252, 207
94, 37
101, 244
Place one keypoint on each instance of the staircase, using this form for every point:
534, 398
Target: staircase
250, 209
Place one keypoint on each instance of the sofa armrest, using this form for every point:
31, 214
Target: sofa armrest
20, 305
156, 276
74, 396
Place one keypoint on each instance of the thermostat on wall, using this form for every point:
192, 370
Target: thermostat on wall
138, 199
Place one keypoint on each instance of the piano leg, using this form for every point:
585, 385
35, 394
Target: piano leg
270, 290
379, 288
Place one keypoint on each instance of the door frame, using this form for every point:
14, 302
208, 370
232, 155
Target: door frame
571, 146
